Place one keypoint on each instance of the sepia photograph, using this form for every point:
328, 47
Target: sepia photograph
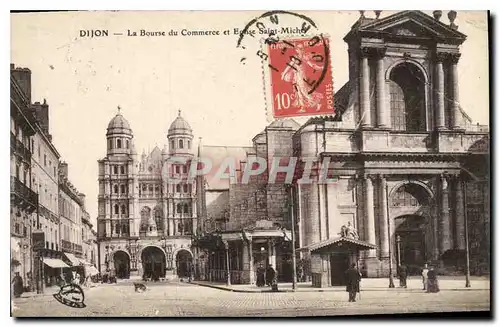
252, 163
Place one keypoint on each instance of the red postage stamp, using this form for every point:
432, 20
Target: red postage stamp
300, 77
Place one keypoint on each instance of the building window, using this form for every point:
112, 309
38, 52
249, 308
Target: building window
47, 244
55, 172
110, 144
185, 169
177, 169
52, 245
115, 189
116, 209
32, 146
122, 189
186, 208
189, 144
407, 98
181, 144
117, 229
119, 143
127, 143
123, 169
115, 170
178, 188
185, 188
124, 210
179, 208
172, 145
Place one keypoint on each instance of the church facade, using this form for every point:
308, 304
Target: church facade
145, 222
407, 178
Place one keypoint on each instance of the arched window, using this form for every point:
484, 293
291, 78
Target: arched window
117, 228
124, 209
115, 189
172, 145
122, 189
119, 143
124, 228
186, 208
116, 209
185, 188
178, 188
181, 144
407, 98
179, 208
122, 169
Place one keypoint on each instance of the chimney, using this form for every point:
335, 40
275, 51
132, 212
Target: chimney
452, 15
437, 14
41, 112
23, 78
63, 169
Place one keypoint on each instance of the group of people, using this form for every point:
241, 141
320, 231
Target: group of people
429, 280
266, 276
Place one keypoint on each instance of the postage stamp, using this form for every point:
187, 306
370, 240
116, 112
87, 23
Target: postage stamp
300, 77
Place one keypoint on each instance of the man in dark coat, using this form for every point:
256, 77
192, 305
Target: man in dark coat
403, 275
270, 273
17, 284
353, 277
261, 276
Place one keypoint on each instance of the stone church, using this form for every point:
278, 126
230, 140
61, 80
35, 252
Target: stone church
408, 175
145, 223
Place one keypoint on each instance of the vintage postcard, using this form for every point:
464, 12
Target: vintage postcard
249, 163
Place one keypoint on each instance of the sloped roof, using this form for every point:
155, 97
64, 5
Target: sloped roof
361, 245
425, 25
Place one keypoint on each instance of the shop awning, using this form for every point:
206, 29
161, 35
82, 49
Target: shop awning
338, 242
54, 263
91, 270
74, 260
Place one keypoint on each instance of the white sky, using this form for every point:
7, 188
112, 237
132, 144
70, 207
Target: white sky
84, 80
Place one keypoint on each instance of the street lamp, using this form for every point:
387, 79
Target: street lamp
292, 218
467, 258
391, 279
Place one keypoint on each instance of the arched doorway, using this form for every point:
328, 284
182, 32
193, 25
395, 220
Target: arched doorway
184, 261
410, 242
410, 204
153, 262
122, 264
407, 98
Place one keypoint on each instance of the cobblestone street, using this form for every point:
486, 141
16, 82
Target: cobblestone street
181, 299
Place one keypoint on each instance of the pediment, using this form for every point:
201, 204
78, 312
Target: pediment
412, 24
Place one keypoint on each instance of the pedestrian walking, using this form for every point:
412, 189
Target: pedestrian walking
353, 278
432, 281
270, 274
261, 272
425, 271
403, 275
17, 285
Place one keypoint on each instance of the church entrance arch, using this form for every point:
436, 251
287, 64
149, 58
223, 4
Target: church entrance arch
410, 242
122, 264
184, 261
153, 262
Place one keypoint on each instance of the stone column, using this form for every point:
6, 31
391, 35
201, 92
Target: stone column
364, 89
384, 219
382, 114
459, 215
444, 222
370, 215
271, 253
228, 271
108, 228
455, 109
250, 257
170, 227
322, 212
439, 87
